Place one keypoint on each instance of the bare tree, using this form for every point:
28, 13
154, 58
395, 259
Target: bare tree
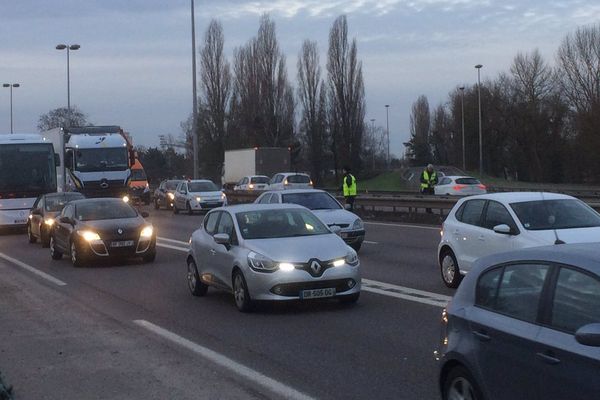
61, 117
419, 150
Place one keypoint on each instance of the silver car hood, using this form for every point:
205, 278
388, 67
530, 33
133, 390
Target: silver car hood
300, 249
339, 216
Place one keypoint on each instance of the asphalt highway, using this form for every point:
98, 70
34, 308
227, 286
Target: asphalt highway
170, 344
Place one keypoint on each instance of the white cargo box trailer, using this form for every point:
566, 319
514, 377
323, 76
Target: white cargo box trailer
255, 161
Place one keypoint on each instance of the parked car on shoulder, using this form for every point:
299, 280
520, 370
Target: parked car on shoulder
254, 182
324, 206
273, 252
198, 195
290, 180
525, 325
164, 195
459, 186
44, 212
478, 226
94, 229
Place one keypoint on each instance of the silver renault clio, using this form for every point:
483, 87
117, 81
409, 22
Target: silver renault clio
271, 252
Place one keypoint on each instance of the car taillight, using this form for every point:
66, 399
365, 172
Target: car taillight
459, 187
482, 186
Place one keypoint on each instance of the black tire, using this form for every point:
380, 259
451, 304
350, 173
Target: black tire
44, 237
156, 205
356, 246
449, 269
195, 285
461, 385
30, 236
77, 257
243, 302
175, 209
349, 299
54, 252
149, 257
189, 208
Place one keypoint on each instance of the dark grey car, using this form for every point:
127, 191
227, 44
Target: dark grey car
525, 325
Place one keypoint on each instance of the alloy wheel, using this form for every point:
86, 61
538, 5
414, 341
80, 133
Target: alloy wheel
191, 276
239, 291
74, 254
461, 389
448, 268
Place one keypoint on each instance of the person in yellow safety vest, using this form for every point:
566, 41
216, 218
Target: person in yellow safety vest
428, 180
349, 188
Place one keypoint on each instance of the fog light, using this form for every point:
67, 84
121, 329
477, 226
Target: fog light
277, 290
350, 283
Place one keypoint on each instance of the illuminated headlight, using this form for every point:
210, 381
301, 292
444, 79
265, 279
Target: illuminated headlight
126, 199
49, 221
287, 267
223, 196
89, 236
147, 232
358, 224
339, 263
171, 196
352, 258
198, 199
250, 186
30, 216
259, 262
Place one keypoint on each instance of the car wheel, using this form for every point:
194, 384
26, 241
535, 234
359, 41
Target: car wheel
32, 239
189, 208
460, 385
240, 293
196, 286
44, 237
76, 256
449, 269
156, 205
54, 252
149, 257
175, 209
349, 299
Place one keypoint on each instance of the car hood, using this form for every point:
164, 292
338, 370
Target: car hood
300, 249
108, 228
576, 235
206, 194
335, 217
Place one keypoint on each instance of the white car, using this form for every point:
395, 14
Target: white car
478, 226
324, 206
253, 182
198, 195
290, 180
459, 186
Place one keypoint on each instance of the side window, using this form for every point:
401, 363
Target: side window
225, 224
520, 290
38, 203
245, 181
274, 199
497, 214
265, 198
471, 213
278, 178
444, 181
68, 211
487, 288
576, 300
210, 224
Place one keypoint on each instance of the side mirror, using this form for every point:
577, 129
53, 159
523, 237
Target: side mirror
222, 238
335, 229
144, 214
36, 211
589, 335
66, 220
503, 229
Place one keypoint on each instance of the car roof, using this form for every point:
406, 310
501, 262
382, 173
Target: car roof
65, 194
519, 197
257, 207
199, 181
294, 191
97, 200
292, 173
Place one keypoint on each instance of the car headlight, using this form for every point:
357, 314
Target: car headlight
223, 196
287, 267
352, 258
198, 199
358, 224
339, 263
258, 262
171, 196
49, 221
126, 199
147, 232
89, 236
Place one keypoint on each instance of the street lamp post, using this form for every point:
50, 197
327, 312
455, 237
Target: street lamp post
195, 99
478, 67
387, 124
462, 110
373, 143
68, 47
11, 86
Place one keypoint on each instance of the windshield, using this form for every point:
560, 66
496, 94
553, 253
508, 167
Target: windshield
268, 224
57, 203
138, 175
313, 201
298, 179
101, 159
27, 168
555, 214
202, 187
259, 179
98, 210
171, 185
467, 181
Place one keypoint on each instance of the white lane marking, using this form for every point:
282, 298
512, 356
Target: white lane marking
271, 384
401, 292
168, 246
33, 270
369, 242
404, 225
171, 240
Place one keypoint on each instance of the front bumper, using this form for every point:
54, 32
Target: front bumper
207, 204
102, 249
353, 237
139, 193
287, 286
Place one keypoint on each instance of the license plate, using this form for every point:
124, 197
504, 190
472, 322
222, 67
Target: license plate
317, 293
344, 235
20, 221
122, 243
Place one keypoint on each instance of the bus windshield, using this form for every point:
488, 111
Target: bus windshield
101, 159
27, 169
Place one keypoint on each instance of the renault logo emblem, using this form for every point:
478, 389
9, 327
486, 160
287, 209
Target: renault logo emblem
120, 231
315, 266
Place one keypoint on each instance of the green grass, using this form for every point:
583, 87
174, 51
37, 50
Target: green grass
501, 182
385, 181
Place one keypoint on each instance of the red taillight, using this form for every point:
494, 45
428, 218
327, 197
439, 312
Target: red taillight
482, 186
459, 187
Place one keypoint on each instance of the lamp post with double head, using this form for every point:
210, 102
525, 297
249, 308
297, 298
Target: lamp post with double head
478, 67
387, 124
68, 47
462, 111
11, 86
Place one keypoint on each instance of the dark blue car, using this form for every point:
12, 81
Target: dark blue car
525, 325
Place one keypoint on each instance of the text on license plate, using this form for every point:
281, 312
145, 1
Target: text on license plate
317, 293
122, 243
20, 221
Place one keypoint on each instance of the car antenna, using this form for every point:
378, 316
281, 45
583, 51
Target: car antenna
557, 241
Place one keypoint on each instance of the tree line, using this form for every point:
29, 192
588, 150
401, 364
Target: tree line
540, 122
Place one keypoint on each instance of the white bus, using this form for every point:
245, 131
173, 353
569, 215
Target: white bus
27, 170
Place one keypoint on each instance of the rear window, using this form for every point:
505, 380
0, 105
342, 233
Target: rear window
312, 201
195, 187
171, 185
259, 179
99, 210
555, 214
57, 203
298, 179
468, 181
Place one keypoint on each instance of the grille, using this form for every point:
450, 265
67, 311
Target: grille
294, 289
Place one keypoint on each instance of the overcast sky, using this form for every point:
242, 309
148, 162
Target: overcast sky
134, 65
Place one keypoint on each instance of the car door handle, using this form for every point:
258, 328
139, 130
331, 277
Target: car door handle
548, 358
482, 335
213, 252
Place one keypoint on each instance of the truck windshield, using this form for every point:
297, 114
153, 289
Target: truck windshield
27, 169
138, 175
101, 159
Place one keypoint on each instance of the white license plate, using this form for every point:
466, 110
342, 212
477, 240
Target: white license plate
20, 221
122, 243
317, 293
